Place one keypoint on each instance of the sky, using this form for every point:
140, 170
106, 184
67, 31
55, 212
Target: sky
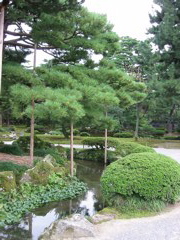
129, 17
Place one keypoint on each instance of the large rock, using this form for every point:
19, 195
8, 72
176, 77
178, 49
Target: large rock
76, 227
41, 172
7, 181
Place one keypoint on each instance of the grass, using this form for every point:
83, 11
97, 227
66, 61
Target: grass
130, 214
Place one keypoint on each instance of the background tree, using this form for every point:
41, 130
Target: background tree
166, 36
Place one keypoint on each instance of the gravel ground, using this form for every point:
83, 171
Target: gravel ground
165, 226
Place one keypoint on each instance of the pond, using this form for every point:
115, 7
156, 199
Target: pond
32, 226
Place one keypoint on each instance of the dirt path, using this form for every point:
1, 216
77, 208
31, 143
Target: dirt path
23, 160
165, 226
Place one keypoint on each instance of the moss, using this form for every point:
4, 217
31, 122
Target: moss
7, 181
40, 173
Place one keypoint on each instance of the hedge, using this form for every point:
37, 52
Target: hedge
148, 176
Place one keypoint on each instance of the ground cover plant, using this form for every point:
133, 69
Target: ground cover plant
141, 181
15, 204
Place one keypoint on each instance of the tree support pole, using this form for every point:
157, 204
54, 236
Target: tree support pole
32, 115
1, 41
1, 49
105, 145
136, 134
72, 152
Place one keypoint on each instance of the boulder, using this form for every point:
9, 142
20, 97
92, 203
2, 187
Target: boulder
99, 218
7, 181
41, 172
76, 227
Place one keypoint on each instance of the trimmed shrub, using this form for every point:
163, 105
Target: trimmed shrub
172, 137
148, 176
85, 134
24, 143
126, 148
158, 133
11, 149
98, 142
95, 155
123, 135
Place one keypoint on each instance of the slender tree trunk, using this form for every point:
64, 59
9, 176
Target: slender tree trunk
105, 145
170, 120
32, 116
136, 133
72, 152
32, 134
1, 41
1, 49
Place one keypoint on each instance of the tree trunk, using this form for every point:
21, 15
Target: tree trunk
32, 116
1, 49
1, 41
136, 133
72, 152
32, 134
105, 145
170, 120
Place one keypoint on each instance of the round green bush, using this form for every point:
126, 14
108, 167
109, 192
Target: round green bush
126, 148
148, 176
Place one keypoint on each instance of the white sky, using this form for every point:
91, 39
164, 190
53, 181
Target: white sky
129, 17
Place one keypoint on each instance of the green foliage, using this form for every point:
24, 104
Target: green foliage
172, 137
95, 155
158, 132
18, 170
24, 143
42, 152
148, 176
17, 203
126, 148
98, 142
84, 134
76, 132
123, 135
11, 149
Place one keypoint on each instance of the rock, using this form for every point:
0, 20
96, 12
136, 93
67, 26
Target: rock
76, 227
99, 218
41, 172
7, 181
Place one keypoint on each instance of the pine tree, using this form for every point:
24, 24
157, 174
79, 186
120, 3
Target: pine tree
166, 35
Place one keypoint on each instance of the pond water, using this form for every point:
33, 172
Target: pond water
33, 225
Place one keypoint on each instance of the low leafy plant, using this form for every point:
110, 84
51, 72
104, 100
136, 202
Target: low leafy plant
146, 176
15, 204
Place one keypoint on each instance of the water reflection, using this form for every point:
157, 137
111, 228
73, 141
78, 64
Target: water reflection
33, 225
